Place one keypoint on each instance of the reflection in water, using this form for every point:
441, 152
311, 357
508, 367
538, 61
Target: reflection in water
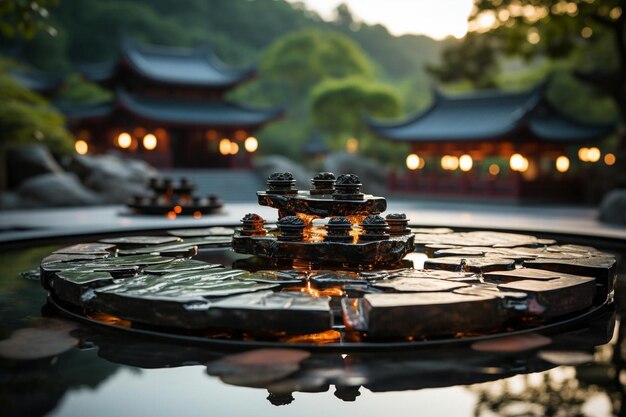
498, 383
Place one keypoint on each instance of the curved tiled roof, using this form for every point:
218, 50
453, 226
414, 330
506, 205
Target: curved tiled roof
211, 113
171, 65
490, 116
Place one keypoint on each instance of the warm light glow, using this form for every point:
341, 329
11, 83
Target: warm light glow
518, 163
494, 169
449, 162
171, 215
583, 154
197, 214
240, 135
124, 140
465, 162
412, 162
251, 144
234, 148
594, 154
615, 13
150, 142
352, 145
81, 147
609, 159
562, 163
533, 36
586, 32
211, 134
224, 146
178, 209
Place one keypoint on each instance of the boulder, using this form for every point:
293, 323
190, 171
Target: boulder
275, 163
373, 174
10, 200
114, 177
613, 207
56, 190
29, 161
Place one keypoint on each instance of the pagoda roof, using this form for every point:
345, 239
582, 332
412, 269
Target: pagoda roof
491, 116
198, 66
210, 113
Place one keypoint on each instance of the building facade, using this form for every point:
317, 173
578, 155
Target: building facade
169, 108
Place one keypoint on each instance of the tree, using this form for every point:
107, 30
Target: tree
473, 60
26, 117
22, 18
339, 108
295, 63
558, 29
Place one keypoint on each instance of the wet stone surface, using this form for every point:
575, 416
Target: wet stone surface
472, 284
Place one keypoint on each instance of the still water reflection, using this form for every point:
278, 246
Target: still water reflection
576, 372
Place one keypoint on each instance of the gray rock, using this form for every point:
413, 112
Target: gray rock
10, 201
56, 190
274, 163
29, 161
372, 174
114, 177
613, 207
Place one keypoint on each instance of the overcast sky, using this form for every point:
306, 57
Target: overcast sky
435, 18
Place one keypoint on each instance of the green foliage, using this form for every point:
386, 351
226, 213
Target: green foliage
76, 89
576, 36
22, 18
26, 117
473, 59
339, 107
295, 63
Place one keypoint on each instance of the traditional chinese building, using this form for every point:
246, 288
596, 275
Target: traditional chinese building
514, 146
169, 109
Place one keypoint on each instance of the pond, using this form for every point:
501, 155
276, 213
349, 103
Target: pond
97, 371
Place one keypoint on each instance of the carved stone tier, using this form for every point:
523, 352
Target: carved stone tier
321, 205
378, 252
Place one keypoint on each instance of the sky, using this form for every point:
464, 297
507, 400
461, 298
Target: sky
434, 18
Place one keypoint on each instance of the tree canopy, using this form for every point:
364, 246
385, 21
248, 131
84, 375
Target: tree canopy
26, 117
587, 37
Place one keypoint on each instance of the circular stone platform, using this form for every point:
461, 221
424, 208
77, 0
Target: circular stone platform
470, 284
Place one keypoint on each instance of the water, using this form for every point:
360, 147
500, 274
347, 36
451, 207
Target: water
110, 373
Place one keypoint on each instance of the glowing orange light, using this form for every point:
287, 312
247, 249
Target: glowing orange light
197, 214
518, 163
328, 336
251, 144
171, 215
234, 148
224, 146
562, 163
81, 147
583, 154
449, 162
494, 169
609, 159
465, 163
352, 145
594, 154
150, 142
178, 209
413, 162
124, 140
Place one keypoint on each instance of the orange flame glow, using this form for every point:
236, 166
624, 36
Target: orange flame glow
314, 292
109, 319
328, 336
